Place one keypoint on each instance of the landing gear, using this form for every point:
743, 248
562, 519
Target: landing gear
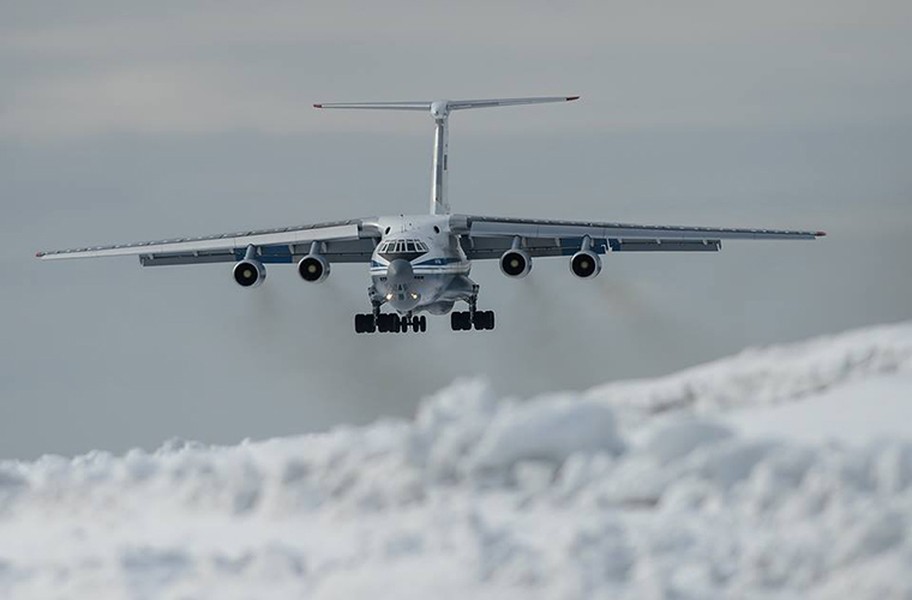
365, 324
460, 320
389, 323
481, 320
419, 324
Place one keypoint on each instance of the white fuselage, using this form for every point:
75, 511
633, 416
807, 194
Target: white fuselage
419, 265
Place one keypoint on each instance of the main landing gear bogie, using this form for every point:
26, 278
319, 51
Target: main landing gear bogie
389, 323
480, 320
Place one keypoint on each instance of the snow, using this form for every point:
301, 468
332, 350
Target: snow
857, 412
783, 472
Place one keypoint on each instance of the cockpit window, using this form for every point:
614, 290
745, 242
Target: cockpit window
404, 249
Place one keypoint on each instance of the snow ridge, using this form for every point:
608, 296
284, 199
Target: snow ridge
772, 375
559, 496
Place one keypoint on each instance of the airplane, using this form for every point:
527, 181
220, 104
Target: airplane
421, 263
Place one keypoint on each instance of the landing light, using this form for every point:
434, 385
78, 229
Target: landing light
389, 296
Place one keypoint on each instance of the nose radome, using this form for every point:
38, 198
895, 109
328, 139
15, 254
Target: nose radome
400, 271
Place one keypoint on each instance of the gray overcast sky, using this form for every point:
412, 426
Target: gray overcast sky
122, 122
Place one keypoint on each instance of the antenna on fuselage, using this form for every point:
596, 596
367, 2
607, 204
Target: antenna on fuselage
440, 111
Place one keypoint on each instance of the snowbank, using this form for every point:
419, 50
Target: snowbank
773, 375
481, 497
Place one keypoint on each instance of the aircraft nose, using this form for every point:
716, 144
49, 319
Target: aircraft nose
400, 272
401, 278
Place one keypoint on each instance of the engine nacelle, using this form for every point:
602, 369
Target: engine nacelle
249, 273
585, 264
516, 263
313, 268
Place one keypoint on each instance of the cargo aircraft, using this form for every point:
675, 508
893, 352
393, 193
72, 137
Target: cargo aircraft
421, 263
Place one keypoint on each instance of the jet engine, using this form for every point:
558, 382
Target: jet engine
585, 264
313, 268
516, 263
249, 273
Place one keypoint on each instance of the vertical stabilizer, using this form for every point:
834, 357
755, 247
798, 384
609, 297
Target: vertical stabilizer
440, 202
440, 111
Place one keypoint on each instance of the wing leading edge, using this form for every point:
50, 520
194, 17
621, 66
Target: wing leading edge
488, 237
342, 241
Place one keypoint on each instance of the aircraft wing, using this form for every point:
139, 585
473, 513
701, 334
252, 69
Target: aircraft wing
341, 241
489, 237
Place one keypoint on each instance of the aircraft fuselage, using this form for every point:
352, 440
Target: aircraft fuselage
419, 265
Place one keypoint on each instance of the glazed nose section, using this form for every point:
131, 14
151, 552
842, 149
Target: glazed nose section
400, 272
400, 277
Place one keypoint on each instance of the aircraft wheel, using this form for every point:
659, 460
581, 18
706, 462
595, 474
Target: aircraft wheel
460, 321
385, 323
404, 325
359, 323
483, 320
422, 324
487, 320
368, 323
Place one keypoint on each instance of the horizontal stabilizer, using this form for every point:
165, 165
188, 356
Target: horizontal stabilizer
449, 104
413, 105
490, 103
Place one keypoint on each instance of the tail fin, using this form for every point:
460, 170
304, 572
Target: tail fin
440, 110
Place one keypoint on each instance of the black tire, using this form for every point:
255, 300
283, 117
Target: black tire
359, 323
422, 324
456, 320
370, 326
385, 323
484, 320
404, 325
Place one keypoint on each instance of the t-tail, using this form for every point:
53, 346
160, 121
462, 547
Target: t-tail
440, 111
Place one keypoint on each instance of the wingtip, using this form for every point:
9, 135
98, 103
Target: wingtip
318, 106
572, 98
820, 234
40, 254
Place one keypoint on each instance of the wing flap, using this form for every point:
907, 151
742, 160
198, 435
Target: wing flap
664, 245
335, 251
480, 248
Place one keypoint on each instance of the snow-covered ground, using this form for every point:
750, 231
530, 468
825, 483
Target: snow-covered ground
783, 472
